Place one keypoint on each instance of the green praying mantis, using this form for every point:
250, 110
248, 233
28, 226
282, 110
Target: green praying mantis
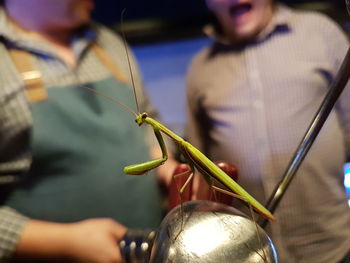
196, 159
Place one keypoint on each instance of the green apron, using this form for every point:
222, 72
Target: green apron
80, 144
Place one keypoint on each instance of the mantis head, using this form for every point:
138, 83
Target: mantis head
141, 118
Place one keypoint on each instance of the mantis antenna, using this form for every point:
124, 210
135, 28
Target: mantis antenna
131, 76
112, 99
127, 56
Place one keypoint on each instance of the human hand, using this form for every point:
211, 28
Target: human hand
199, 189
95, 241
89, 241
202, 191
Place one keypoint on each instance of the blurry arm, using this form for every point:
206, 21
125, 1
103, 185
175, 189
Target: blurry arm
92, 240
11, 226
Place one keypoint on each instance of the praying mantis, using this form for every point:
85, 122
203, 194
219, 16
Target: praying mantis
195, 158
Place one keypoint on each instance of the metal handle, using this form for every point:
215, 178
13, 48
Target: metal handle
136, 246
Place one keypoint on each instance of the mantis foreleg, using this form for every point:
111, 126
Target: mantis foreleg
141, 168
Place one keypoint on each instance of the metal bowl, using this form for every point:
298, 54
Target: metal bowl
206, 232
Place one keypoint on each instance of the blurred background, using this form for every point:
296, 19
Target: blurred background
148, 21
164, 36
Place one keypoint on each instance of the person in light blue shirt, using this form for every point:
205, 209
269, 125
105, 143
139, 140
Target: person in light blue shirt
251, 97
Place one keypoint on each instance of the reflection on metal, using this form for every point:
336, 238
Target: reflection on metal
210, 232
135, 246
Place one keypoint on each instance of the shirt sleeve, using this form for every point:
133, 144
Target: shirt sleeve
15, 121
15, 158
11, 226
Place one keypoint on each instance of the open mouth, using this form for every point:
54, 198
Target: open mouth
238, 10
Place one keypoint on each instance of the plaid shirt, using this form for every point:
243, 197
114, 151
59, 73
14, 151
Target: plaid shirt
251, 106
15, 116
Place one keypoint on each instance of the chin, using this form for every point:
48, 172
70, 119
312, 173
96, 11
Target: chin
244, 33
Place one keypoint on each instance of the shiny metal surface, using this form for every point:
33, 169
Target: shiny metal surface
135, 246
207, 232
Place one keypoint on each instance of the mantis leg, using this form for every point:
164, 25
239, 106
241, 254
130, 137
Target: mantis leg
180, 189
142, 168
191, 173
227, 192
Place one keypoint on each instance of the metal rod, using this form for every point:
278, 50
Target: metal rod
329, 101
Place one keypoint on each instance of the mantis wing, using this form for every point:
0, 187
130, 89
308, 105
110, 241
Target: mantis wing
210, 169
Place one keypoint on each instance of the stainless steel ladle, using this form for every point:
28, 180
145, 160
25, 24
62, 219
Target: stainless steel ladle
209, 232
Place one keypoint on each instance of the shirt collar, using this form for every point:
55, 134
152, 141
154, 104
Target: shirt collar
281, 17
7, 33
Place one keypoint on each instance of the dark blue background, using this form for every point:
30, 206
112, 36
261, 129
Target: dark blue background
108, 11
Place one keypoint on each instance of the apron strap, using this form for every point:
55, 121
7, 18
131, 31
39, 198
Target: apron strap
34, 85
109, 63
